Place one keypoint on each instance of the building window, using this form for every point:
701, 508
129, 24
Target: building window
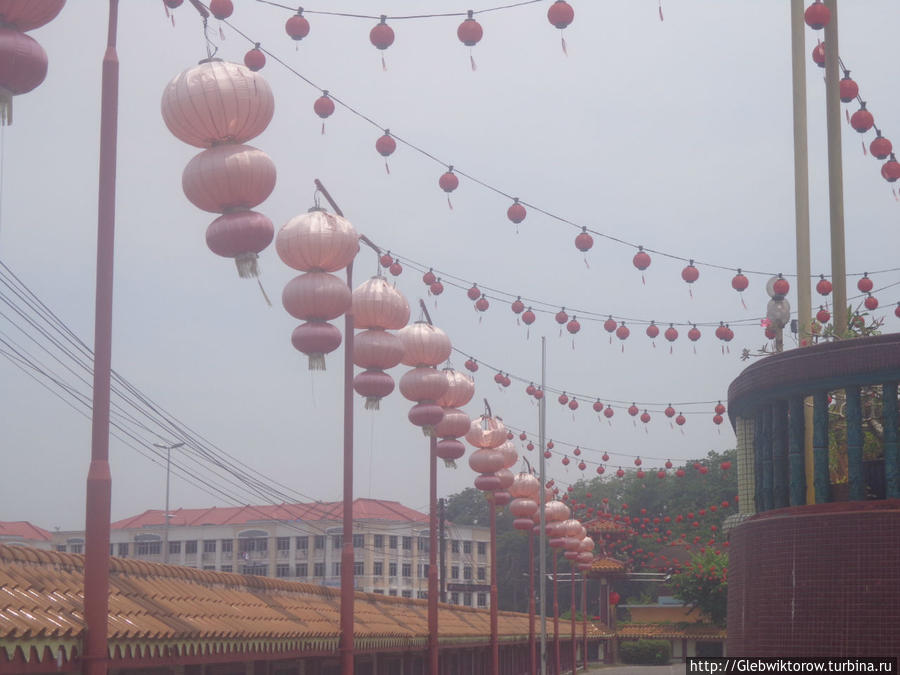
406, 594
467, 573
259, 544
190, 547
467, 599
319, 569
423, 544
227, 545
482, 574
454, 546
423, 571
226, 568
282, 571
467, 547
359, 540
378, 570
283, 543
319, 542
147, 548
209, 546
454, 598
454, 572
392, 542
123, 550
378, 591
393, 592
62, 548
392, 569
75, 548
379, 541
302, 570
422, 595
407, 543
209, 568
336, 569
407, 569
174, 547
482, 548
482, 600
337, 541
302, 543
359, 568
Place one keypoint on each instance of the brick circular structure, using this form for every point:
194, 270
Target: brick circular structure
820, 580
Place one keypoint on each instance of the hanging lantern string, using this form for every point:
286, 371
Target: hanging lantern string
553, 216
211, 47
544, 307
648, 405
377, 17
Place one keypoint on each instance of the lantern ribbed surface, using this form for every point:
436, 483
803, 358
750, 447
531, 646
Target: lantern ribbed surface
423, 384
217, 102
317, 240
27, 15
377, 349
377, 304
424, 344
228, 178
460, 391
316, 295
23, 62
454, 425
486, 432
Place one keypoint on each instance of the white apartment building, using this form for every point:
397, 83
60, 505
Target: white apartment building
303, 542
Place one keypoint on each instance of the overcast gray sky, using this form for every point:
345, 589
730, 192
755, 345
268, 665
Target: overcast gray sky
674, 134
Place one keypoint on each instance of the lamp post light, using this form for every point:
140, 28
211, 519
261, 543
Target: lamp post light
168, 449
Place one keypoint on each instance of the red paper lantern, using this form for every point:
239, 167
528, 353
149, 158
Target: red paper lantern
641, 259
608, 412
823, 286
323, 106
818, 55
436, 288
474, 293
297, 27
560, 14
516, 213
598, 406
671, 333
240, 235
315, 339
652, 330
565, 461
573, 326
317, 240
528, 317
645, 417
633, 410
680, 474
739, 282
471, 365
690, 273
890, 170
725, 467
897, 310
871, 302
865, 284
316, 296
482, 304
382, 35
469, 31
817, 15
781, 286
720, 409
255, 59
385, 145
880, 147
601, 470
584, 241
221, 9
823, 316
848, 89
561, 316
26, 15
610, 325
228, 177
862, 120
694, 333
448, 181
622, 332
717, 419
769, 332
620, 473
680, 420
424, 345
173, 4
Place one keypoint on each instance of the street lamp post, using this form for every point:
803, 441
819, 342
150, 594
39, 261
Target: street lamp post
168, 449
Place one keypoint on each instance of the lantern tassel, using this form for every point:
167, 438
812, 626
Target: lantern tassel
373, 403
564, 47
660, 11
743, 304
472, 61
383, 63
449, 464
428, 430
316, 361
643, 279
387, 168
865, 153
691, 292
6, 107
695, 350
654, 344
623, 347
723, 350
528, 333
449, 203
586, 263
847, 115
610, 339
247, 265
573, 343
323, 128
221, 33
894, 190
670, 349
263, 291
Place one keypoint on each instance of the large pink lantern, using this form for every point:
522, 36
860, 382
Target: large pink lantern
525, 492
455, 423
377, 307
487, 434
317, 296
219, 106
424, 347
555, 514
23, 62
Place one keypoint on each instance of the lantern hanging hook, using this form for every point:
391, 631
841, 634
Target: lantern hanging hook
425, 312
487, 408
211, 47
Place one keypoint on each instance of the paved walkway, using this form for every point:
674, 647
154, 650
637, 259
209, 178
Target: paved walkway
672, 669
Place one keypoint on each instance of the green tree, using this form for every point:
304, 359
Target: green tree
704, 585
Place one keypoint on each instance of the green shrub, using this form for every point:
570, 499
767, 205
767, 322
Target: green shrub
646, 652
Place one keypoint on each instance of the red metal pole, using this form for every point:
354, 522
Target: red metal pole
432, 562
584, 654
495, 646
532, 656
574, 626
556, 614
99, 480
347, 588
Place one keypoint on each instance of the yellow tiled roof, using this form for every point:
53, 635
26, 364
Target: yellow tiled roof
696, 631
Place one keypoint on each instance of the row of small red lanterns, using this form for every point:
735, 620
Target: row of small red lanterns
817, 17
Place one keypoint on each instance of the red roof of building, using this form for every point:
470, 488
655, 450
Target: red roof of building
363, 509
22, 529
